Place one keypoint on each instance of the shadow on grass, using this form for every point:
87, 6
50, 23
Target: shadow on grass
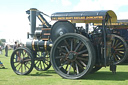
3, 68
119, 76
44, 73
50, 72
39, 74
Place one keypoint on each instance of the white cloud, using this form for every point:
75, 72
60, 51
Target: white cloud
123, 15
66, 2
63, 2
100, 4
86, 5
14, 27
52, 0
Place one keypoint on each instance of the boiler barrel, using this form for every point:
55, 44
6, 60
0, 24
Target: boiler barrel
37, 45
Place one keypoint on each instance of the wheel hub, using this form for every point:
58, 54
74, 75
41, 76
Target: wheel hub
71, 56
112, 49
22, 61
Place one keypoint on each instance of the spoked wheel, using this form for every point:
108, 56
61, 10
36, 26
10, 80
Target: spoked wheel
72, 56
22, 61
42, 61
119, 49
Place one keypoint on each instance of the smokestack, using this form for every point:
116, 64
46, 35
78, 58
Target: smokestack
33, 20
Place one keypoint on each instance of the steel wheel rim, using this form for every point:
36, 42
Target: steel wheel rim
21, 61
77, 66
118, 49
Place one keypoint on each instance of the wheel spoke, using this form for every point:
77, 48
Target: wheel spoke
77, 47
119, 54
26, 66
115, 57
82, 45
79, 64
81, 52
77, 70
66, 67
121, 45
120, 49
19, 68
44, 65
66, 49
61, 49
63, 64
40, 65
28, 63
83, 63
118, 57
23, 53
116, 42
67, 44
74, 43
113, 42
36, 62
117, 45
17, 64
84, 55
80, 58
69, 68
71, 45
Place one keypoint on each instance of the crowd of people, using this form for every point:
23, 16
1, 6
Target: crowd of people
6, 48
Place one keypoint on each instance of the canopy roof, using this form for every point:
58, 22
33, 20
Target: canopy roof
85, 16
120, 24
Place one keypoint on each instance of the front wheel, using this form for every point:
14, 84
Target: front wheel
42, 61
22, 61
72, 56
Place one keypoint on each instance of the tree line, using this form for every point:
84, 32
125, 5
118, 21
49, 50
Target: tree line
2, 41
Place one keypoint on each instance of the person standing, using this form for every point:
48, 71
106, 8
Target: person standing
6, 50
17, 53
15, 46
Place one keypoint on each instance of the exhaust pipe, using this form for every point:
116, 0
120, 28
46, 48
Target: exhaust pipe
33, 21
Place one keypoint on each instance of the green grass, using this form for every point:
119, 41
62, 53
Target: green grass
102, 77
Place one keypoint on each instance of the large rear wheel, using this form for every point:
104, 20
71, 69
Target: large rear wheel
72, 56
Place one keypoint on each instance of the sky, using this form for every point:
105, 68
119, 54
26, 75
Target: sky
14, 23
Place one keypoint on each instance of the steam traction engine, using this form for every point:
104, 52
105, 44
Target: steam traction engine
72, 51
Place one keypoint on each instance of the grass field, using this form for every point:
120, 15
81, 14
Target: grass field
102, 77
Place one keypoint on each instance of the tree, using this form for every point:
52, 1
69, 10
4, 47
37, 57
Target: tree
3, 40
1, 43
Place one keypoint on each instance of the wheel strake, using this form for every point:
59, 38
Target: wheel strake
22, 61
119, 49
42, 61
72, 56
